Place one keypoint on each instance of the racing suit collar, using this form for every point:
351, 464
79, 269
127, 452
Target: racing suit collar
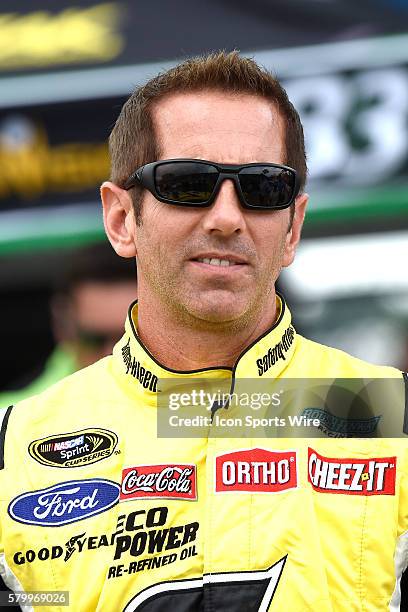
138, 370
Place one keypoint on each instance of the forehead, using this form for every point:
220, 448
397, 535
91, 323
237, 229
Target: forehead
223, 127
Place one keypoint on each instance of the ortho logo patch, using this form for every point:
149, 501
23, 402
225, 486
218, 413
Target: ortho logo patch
74, 449
256, 471
374, 476
66, 502
167, 481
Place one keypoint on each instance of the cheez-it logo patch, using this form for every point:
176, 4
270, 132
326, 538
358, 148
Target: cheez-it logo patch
375, 476
256, 470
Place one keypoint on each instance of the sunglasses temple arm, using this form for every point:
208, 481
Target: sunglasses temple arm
133, 180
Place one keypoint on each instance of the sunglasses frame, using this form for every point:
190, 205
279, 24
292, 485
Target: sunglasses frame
144, 176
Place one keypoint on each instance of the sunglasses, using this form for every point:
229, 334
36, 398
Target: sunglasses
195, 182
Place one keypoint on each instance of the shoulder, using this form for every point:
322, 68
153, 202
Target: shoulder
82, 381
314, 359
65, 400
79, 401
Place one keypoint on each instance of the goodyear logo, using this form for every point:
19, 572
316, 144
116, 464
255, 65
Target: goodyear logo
74, 449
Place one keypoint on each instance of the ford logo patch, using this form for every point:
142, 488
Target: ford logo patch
66, 502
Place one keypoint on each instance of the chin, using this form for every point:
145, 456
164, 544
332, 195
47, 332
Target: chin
218, 311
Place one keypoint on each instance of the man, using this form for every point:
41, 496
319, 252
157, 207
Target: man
203, 523
87, 310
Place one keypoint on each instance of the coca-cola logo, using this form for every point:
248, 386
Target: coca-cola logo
172, 481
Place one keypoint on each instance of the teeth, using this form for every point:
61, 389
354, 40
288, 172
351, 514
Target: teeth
214, 261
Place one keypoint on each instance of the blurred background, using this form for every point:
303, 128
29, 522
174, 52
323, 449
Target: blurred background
65, 70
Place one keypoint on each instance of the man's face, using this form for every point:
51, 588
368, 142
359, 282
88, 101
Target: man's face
171, 242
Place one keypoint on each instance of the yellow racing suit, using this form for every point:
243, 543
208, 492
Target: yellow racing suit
94, 503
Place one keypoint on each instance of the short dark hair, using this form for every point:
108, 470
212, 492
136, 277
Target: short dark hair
133, 141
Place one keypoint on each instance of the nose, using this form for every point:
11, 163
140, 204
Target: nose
225, 216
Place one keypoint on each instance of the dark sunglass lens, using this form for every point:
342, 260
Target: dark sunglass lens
186, 182
267, 186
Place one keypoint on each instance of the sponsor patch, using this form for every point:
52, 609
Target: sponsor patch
66, 502
146, 378
74, 449
142, 533
256, 471
166, 481
276, 352
150, 532
338, 427
374, 476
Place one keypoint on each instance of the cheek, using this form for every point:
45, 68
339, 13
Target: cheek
167, 230
271, 242
156, 240
148, 231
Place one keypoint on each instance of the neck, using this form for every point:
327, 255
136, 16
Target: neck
192, 344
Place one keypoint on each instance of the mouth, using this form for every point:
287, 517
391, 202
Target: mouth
219, 259
218, 264
215, 261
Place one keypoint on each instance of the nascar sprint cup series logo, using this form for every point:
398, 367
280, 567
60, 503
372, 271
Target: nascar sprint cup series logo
74, 449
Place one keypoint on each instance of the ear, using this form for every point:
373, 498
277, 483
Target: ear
293, 235
118, 219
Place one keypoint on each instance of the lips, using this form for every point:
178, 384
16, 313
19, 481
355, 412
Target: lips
220, 259
215, 261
